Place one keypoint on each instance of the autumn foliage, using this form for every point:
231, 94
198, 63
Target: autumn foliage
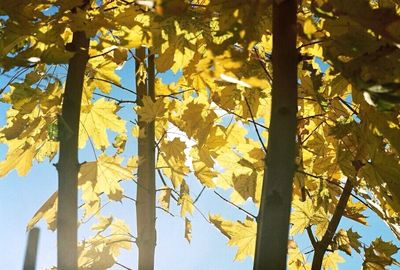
347, 125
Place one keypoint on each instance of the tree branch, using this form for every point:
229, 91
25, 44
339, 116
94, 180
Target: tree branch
322, 245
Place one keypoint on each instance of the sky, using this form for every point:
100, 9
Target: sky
20, 197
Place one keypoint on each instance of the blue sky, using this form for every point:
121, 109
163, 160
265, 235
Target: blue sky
20, 197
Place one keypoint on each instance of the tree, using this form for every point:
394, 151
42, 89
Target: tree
275, 205
146, 185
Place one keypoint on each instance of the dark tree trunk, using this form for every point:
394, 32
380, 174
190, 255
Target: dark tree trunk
146, 191
275, 206
68, 165
31, 249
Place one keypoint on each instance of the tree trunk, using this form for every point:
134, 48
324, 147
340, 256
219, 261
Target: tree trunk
275, 206
146, 192
68, 165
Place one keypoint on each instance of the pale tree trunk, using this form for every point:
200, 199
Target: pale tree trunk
275, 206
146, 192
68, 164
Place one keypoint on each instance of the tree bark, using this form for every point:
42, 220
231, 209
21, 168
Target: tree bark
322, 246
68, 165
275, 206
146, 191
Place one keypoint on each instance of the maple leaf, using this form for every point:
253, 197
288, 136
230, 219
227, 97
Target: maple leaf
301, 216
19, 158
96, 119
188, 230
240, 234
331, 260
296, 260
379, 254
151, 110
164, 198
185, 200
47, 211
104, 175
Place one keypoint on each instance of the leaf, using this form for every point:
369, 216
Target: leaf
353, 240
342, 241
101, 251
331, 260
103, 175
301, 216
188, 229
185, 200
296, 260
104, 223
96, 119
48, 211
166, 59
19, 159
379, 255
120, 142
164, 198
309, 28
151, 110
240, 234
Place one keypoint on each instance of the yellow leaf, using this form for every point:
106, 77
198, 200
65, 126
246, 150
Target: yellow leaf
173, 149
151, 110
48, 211
174, 169
101, 72
185, 200
96, 120
164, 197
166, 59
104, 175
19, 159
104, 223
301, 216
296, 260
188, 229
331, 260
309, 28
240, 234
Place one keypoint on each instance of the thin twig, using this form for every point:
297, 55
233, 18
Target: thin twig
129, 198
241, 117
119, 101
347, 105
123, 266
101, 54
165, 210
263, 66
237, 206
255, 126
310, 44
198, 196
113, 83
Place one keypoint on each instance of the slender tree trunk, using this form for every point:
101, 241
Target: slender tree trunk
146, 192
275, 206
321, 246
31, 249
68, 165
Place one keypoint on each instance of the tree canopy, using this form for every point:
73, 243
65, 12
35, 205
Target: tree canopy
347, 127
